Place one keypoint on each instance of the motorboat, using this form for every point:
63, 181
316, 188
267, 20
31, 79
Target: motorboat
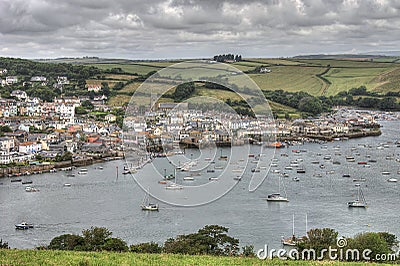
23, 226
31, 189
277, 197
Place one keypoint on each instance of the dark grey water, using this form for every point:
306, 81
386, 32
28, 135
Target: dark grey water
98, 199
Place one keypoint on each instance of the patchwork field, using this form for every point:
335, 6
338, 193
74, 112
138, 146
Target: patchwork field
316, 76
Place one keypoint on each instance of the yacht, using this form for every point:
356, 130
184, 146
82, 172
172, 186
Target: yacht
277, 196
359, 202
146, 205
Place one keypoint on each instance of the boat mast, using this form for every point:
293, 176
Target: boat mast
293, 226
306, 225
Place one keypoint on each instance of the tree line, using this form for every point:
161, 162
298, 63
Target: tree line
227, 57
214, 240
210, 240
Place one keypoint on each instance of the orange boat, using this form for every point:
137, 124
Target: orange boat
276, 145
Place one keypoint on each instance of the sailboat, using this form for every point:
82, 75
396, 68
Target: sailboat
291, 241
146, 205
360, 200
277, 196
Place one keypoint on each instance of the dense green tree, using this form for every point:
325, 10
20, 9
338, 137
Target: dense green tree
115, 244
391, 239
211, 240
310, 105
87, 105
183, 91
3, 245
150, 247
67, 242
369, 240
95, 237
318, 239
248, 251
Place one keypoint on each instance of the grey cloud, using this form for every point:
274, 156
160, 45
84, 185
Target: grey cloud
195, 28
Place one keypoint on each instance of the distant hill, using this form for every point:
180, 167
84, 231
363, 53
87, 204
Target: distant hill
349, 56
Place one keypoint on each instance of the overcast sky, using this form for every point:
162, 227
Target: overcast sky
191, 29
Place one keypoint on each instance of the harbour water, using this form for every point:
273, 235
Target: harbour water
99, 198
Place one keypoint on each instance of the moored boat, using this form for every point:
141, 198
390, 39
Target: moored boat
23, 226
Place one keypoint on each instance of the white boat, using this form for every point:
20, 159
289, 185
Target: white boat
188, 178
237, 170
67, 185
83, 171
174, 186
288, 168
31, 189
213, 179
359, 202
238, 178
147, 205
392, 180
23, 226
296, 179
277, 196
360, 179
385, 173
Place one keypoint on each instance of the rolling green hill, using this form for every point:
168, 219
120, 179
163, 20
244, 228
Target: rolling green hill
318, 76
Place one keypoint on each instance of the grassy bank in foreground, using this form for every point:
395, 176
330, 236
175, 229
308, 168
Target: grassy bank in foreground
35, 257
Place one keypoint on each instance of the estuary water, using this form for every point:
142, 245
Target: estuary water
101, 198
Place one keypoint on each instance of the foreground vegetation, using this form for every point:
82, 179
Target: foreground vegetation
52, 257
210, 245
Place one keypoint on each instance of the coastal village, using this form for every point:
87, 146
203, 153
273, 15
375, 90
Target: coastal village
52, 134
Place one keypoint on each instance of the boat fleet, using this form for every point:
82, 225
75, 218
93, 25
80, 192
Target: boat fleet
325, 159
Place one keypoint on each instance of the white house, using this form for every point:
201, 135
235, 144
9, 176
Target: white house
6, 144
38, 79
11, 80
30, 147
94, 87
62, 80
21, 95
110, 118
265, 70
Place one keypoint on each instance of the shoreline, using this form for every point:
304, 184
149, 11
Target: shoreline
27, 170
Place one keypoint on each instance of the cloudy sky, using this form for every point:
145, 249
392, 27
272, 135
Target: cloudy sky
150, 29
